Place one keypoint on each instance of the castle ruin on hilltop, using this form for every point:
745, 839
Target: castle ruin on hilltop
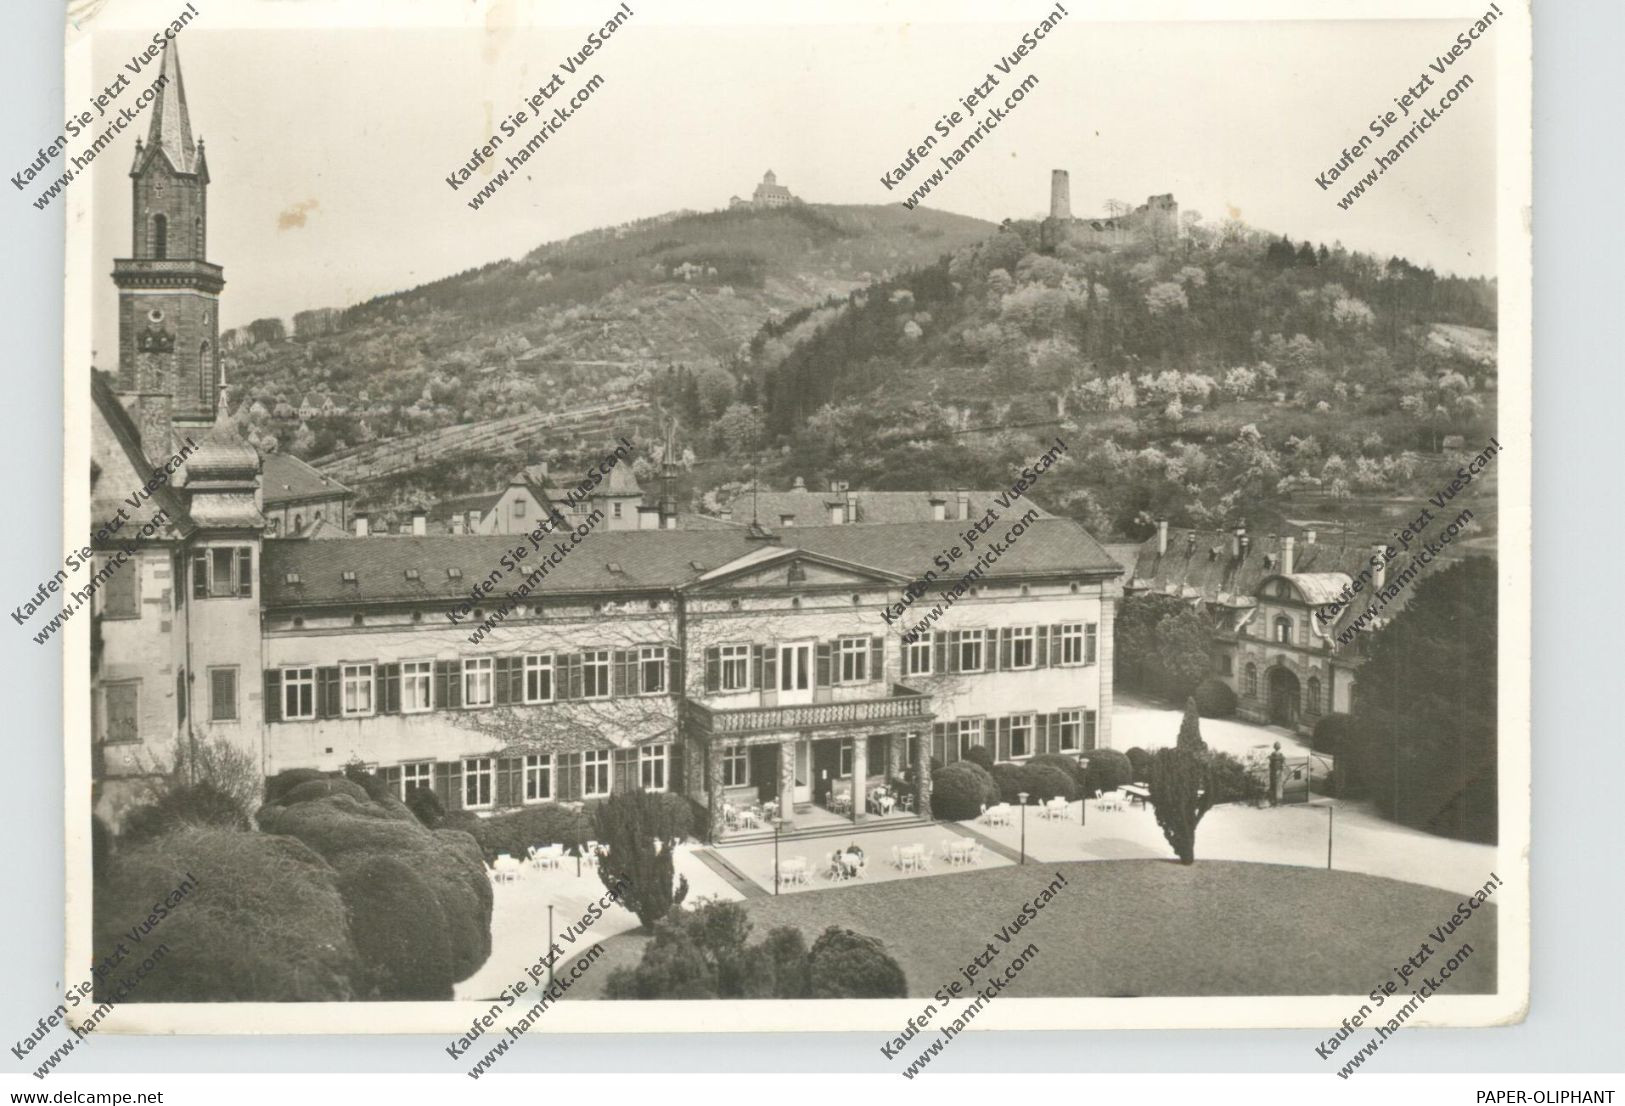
1156, 221
770, 193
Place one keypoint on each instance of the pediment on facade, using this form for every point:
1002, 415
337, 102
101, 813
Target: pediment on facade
780, 567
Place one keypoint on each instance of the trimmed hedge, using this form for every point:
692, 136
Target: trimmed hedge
426, 806
1011, 780
545, 824
202, 804
284, 782
399, 929
321, 789
349, 832
1108, 770
961, 790
1139, 763
1215, 699
265, 922
1046, 782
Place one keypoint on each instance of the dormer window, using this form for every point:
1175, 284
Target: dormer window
413, 574
349, 576
292, 579
454, 574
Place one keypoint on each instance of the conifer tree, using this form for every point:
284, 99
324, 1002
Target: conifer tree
639, 864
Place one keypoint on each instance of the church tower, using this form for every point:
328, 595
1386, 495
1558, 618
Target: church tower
169, 296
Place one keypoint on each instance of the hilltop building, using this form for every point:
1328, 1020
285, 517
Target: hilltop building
769, 193
733, 664
1155, 222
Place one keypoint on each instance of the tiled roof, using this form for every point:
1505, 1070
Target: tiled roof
108, 494
810, 508
1198, 563
288, 479
643, 559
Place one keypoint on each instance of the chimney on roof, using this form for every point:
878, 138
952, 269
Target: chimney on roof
939, 509
1378, 552
1238, 539
964, 506
851, 506
1309, 535
456, 524
835, 510
1289, 547
420, 522
800, 484
1162, 537
360, 526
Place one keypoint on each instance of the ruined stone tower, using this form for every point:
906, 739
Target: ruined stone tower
1060, 195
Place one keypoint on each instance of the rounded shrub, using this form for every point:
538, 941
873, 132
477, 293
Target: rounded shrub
1139, 762
201, 804
979, 755
426, 806
547, 824
264, 923
1108, 770
284, 782
1215, 699
321, 789
844, 964
1332, 733
1046, 782
961, 790
1066, 763
399, 930
1011, 780
347, 832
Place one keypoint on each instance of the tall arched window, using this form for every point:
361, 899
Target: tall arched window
197, 237
205, 378
1283, 630
1313, 705
1252, 681
160, 236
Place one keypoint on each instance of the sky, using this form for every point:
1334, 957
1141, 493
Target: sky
328, 149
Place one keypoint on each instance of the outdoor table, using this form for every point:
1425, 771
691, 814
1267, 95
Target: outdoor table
794, 870
1136, 793
911, 856
506, 867
959, 852
749, 818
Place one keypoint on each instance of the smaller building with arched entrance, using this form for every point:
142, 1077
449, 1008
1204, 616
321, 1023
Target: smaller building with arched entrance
1287, 666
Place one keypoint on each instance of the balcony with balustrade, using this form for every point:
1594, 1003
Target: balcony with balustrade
902, 707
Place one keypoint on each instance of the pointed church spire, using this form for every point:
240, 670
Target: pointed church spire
171, 129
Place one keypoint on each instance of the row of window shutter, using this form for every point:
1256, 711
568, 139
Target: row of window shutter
1046, 737
507, 683
508, 778
763, 668
998, 649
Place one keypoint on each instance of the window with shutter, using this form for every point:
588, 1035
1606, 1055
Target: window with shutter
1042, 745
877, 658
939, 741
121, 711
939, 651
1002, 751
1089, 636
120, 596
328, 702
245, 572
823, 664
770, 668
990, 731
389, 689
273, 695
503, 690
674, 658
713, 669
200, 574
758, 677
446, 786
953, 651
1088, 731
1042, 633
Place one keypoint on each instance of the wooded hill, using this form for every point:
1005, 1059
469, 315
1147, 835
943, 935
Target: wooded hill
1228, 373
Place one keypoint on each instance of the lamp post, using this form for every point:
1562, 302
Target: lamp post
1083, 800
778, 823
1021, 797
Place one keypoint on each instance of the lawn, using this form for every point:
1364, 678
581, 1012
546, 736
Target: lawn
1141, 928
